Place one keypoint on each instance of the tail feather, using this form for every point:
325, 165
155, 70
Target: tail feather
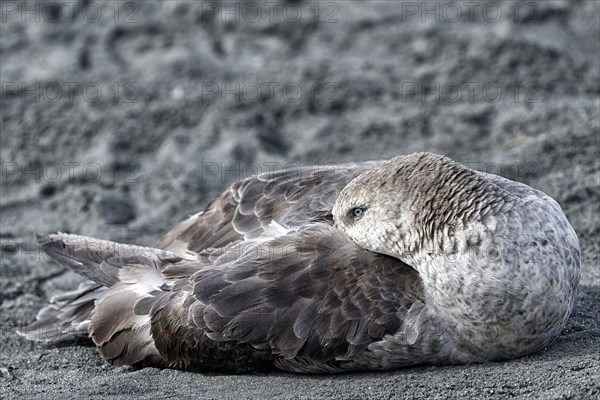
101, 260
119, 276
67, 315
122, 334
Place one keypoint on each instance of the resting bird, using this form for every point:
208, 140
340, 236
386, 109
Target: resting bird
364, 266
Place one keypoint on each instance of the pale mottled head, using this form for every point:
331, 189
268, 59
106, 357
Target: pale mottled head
498, 259
397, 207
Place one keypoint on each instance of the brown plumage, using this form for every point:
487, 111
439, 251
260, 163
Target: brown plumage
225, 292
265, 279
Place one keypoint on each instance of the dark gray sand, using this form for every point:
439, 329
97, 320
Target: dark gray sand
118, 120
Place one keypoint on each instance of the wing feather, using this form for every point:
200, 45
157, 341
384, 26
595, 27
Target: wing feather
324, 302
291, 197
261, 278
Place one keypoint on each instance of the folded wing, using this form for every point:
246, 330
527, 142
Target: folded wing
310, 295
260, 279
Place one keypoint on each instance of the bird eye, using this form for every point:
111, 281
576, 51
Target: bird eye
356, 213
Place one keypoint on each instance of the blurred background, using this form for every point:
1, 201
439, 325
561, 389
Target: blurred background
119, 119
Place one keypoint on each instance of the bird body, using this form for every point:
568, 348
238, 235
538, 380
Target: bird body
365, 266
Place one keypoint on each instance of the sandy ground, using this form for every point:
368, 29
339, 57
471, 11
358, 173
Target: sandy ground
120, 119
